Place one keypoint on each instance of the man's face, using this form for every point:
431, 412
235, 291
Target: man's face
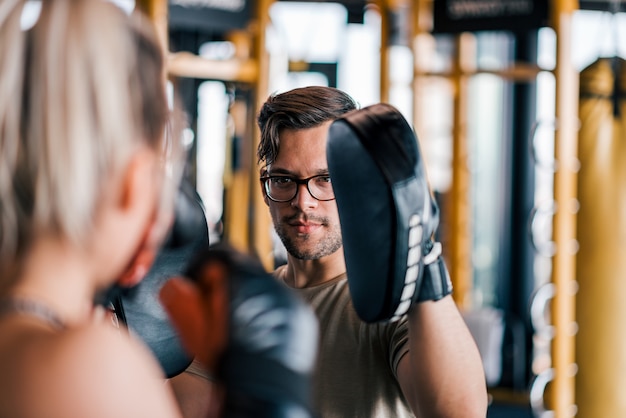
309, 228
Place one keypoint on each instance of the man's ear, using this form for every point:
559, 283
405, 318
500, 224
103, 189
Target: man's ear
263, 173
265, 198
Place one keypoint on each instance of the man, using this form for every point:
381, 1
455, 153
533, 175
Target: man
426, 364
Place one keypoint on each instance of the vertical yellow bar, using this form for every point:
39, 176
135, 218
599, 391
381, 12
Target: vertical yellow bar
383, 6
460, 236
561, 391
156, 10
420, 13
261, 221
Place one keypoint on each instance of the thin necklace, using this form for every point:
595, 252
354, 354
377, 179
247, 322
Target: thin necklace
32, 308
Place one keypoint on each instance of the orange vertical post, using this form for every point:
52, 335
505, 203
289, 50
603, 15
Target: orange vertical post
261, 222
561, 391
156, 10
460, 221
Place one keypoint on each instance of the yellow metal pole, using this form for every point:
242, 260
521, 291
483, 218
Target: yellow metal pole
156, 11
237, 186
460, 221
420, 14
561, 391
261, 221
384, 50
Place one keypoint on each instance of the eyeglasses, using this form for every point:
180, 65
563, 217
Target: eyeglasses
284, 188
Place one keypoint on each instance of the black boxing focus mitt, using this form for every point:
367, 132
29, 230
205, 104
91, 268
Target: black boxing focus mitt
268, 362
387, 213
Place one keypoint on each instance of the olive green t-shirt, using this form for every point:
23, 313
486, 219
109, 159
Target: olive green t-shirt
357, 361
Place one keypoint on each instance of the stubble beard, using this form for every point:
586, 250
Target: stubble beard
297, 247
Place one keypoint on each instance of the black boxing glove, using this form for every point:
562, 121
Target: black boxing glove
272, 340
139, 307
387, 213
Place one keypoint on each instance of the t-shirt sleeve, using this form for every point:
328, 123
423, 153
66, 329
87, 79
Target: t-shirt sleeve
398, 336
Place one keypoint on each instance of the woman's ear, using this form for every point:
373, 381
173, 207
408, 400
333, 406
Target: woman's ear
138, 200
138, 188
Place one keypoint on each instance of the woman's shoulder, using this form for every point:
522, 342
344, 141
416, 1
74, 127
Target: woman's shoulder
103, 341
94, 370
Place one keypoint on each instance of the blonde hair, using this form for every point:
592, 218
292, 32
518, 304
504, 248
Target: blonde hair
79, 91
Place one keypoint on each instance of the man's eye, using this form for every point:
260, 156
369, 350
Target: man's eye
323, 179
282, 181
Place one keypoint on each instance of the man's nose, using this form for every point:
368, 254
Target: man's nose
303, 198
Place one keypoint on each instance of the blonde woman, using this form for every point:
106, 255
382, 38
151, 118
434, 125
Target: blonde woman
83, 181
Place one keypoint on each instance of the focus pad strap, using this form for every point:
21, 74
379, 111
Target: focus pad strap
436, 282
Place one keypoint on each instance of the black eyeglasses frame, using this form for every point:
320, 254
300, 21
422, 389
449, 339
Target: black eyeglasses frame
298, 182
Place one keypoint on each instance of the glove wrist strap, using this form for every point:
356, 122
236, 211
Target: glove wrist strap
436, 282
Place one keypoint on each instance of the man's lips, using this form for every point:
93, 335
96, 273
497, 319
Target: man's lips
303, 227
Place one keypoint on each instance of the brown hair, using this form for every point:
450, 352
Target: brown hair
300, 108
